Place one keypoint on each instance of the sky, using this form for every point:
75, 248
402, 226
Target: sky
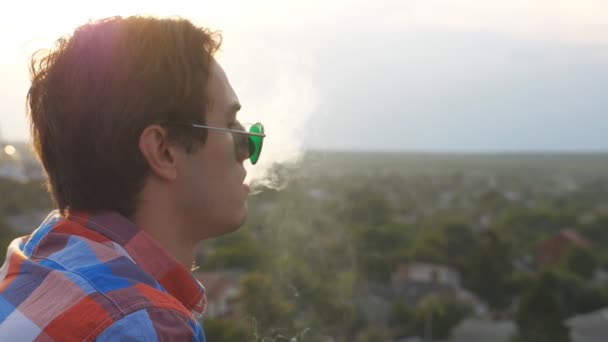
403, 75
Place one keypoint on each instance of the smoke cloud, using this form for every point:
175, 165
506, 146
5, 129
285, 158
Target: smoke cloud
275, 88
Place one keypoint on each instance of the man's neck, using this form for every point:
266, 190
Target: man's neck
166, 228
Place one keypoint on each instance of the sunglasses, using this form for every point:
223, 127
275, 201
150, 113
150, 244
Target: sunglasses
247, 144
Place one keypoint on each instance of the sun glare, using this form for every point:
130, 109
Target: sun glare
55, 19
10, 150
62, 16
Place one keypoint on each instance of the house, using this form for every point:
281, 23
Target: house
589, 327
413, 281
410, 283
426, 273
220, 288
416, 280
550, 251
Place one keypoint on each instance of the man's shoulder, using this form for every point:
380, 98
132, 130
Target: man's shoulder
76, 284
153, 324
106, 271
94, 317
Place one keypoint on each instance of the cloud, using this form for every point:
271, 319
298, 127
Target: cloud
582, 21
460, 91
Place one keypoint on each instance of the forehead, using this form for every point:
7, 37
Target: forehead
221, 95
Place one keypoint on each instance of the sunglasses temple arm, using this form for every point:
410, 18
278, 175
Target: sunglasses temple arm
262, 135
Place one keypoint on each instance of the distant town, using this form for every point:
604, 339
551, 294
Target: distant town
397, 247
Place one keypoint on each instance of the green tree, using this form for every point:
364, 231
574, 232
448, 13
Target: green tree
374, 334
580, 261
334, 307
452, 243
366, 206
6, 237
540, 316
596, 232
313, 260
20, 197
437, 315
402, 319
523, 227
226, 330
264, 303
236, 251
489, 271
380, 249
577, 295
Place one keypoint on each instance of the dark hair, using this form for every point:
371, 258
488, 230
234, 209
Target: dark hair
93, 94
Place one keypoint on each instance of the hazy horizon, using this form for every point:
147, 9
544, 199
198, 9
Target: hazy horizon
480, 152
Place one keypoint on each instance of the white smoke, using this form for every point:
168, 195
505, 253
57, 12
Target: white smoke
275, 87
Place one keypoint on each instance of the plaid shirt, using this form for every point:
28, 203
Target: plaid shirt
96, 277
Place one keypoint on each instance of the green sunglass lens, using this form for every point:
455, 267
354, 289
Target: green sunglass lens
255, 142
251, 146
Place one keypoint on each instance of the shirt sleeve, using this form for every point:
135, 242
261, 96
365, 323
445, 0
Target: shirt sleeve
153, 324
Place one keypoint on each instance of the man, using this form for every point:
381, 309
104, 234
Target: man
135, 125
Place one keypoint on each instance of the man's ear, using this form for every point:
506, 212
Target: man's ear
158, 152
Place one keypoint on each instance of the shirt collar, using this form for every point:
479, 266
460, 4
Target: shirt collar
149, 255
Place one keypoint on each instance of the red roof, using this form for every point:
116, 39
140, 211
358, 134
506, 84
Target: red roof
575, 237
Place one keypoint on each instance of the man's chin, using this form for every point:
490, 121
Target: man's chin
242, 217
228, 226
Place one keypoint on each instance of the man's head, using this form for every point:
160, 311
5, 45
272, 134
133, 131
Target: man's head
99, 105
